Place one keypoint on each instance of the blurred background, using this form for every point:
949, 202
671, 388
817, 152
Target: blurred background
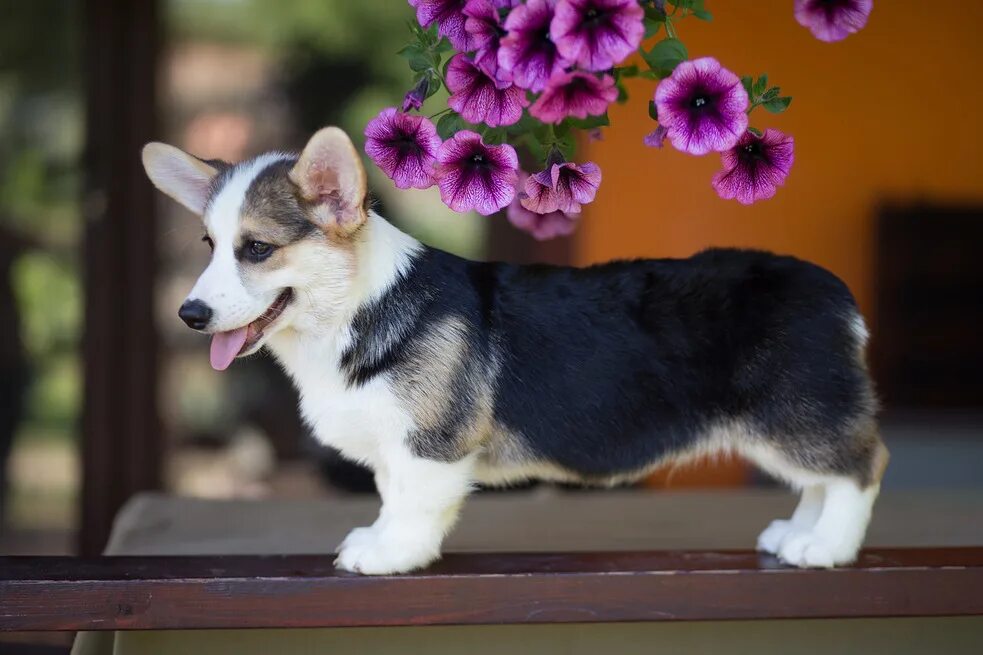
103, 392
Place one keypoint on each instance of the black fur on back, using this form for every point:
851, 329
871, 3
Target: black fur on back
606, 369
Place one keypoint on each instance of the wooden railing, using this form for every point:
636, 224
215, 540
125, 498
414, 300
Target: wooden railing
155, 593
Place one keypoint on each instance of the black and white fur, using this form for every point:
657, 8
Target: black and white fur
439, 373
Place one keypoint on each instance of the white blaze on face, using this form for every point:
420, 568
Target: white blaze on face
221, 285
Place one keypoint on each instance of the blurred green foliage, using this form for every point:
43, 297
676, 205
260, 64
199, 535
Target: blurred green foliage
339, 63
358, 38
40, 142
325, 49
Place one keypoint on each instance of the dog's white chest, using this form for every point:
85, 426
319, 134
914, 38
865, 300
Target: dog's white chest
359, 421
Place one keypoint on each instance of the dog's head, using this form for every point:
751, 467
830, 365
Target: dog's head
281, 230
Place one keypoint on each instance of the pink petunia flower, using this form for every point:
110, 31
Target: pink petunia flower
562, 186
833, 20
404, 147
703, 107
485, 27
476, 95
472, 175
597, 34
541, 226
755, 167
450, 19
527, 51
576, 94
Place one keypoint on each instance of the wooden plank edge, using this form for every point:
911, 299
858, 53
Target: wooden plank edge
159, 593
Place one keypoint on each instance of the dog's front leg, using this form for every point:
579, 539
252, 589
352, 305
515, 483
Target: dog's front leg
420, 502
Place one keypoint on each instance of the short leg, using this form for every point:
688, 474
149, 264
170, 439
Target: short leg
838, 534
803, 519
420, 503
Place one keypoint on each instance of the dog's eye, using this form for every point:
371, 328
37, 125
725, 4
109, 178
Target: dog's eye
211, 244
259, 250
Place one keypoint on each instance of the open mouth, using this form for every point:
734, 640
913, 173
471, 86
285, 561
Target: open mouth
226, 346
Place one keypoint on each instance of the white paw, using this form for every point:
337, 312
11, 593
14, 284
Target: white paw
770, 541
371, 551
358, 537
811, 550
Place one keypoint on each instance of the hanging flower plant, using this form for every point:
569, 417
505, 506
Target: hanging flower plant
523, 76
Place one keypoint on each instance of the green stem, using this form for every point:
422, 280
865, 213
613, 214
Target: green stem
440, 113
670, 30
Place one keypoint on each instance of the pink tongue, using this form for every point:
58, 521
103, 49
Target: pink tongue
225, 347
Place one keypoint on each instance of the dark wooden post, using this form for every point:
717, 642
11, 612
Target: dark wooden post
121, 435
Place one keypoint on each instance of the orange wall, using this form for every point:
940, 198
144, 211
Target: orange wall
891, 113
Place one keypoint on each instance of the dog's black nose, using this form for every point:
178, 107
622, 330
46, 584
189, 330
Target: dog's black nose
195, 313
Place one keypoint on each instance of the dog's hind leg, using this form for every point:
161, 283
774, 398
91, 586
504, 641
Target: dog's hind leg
839, 532
802, 520
838, 493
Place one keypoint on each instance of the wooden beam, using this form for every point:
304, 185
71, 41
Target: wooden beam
121, 436
159, 593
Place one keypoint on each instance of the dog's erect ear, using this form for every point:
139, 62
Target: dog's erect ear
178, 174
331, 177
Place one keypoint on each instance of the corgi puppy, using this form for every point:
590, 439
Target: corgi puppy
439, 373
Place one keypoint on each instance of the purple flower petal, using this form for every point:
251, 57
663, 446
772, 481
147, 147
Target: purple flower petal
527, 52
597, 34
562, 187
404, 147
656, 138
755, 167
485, 27
703, 107
450, 19
541, 226
833, 20
476, 96
576, 94
416, 96
472, 175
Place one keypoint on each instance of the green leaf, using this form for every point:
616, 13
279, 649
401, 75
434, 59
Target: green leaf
433, 84
650, 75
418, 58
747, 82
443, 46
449, 124
703, 14
430, 36
665, 56
760, 85
771, 93
652, 27
653, 111
755, 131
778, 105
567, 146
494, 136
525, 125
626, 71
589, 123
535, 147
622, 94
